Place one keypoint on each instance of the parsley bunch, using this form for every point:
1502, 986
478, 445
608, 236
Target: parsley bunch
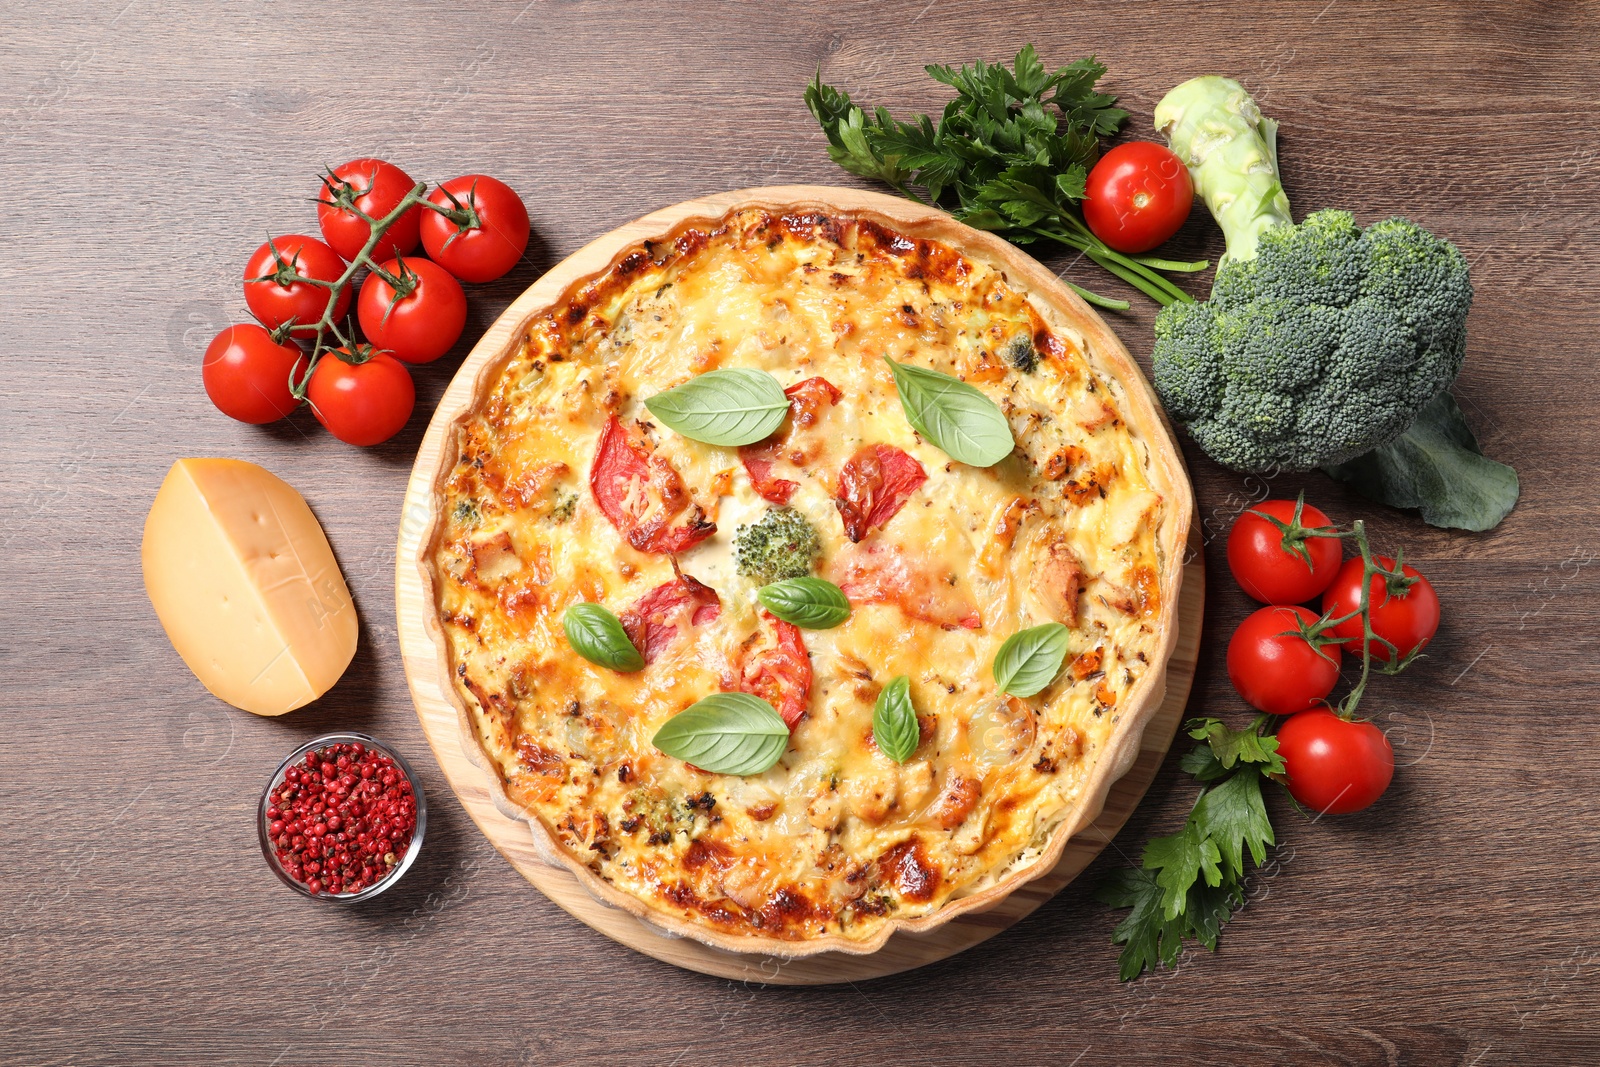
1192, 880
1010, 154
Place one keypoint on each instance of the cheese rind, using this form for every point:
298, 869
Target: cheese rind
246, 586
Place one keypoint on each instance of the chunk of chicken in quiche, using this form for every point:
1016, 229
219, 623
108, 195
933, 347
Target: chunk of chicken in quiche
1060, 582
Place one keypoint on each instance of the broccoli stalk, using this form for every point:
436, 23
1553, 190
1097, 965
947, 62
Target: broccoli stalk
1323, 345
1231, 151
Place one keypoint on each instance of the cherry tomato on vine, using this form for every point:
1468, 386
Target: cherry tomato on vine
1335, 766
1137, 196
488, 234
275, 300
1267, 570
362, 397
1408, 618
421, 325
1274, 668
246, 374
376, 188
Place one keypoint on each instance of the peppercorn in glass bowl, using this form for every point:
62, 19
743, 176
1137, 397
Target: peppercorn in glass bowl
342, 818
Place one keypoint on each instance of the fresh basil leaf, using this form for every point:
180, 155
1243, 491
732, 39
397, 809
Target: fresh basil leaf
810, 603
894, 721
738, 406
598, 636
1030, 659
725, 733
955, 416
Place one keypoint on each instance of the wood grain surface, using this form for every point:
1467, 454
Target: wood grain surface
148, 148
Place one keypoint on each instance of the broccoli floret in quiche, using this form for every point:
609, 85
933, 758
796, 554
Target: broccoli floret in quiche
782, 545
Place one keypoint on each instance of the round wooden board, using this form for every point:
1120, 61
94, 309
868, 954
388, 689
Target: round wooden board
441, 721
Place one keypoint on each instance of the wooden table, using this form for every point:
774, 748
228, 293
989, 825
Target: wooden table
148, 149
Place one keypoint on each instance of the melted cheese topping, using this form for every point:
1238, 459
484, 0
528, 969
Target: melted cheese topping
836, 838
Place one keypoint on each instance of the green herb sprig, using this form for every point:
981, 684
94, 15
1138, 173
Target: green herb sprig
1192, 881
597, 635
1010, 154
1030, 659
894, 721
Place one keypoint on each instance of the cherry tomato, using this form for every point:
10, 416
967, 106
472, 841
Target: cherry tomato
1137, 196
490, 236
246, 374
376, 188
274, 303
1335, 766
361, 403
1272, 573
421, 325
1280, 674
1409, 618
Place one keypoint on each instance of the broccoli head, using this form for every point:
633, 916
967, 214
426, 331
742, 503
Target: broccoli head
1321, 342
1319, 349
782, 545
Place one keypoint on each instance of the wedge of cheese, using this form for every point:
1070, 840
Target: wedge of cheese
243, 580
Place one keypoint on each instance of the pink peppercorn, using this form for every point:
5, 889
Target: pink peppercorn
342, 819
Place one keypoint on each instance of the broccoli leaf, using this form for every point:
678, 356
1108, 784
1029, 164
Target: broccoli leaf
1436, 467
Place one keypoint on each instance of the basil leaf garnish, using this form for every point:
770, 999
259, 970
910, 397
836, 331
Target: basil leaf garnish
810, 603
597, 636
955, 416
894, 721
726, 733
1030, 659
738, 406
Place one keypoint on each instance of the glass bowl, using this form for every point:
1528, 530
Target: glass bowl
298, 756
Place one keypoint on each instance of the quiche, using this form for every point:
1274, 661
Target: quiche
558, 487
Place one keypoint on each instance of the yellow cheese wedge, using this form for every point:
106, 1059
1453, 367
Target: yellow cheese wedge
243, 580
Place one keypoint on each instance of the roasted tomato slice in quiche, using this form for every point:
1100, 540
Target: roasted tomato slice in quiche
667, 610
780, 672
874, 485
807, 399
641, 495
883, 573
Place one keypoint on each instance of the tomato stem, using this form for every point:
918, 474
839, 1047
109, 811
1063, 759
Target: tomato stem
1395, 583
327, 325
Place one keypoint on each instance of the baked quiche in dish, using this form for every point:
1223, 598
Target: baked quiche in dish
879, 348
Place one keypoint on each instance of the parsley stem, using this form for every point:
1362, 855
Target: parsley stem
1096, 299
1156, 263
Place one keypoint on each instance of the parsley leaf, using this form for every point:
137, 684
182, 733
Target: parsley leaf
1151, 940
1235, 818
1010, 154
1229, 746
1192, 880
1178, 861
